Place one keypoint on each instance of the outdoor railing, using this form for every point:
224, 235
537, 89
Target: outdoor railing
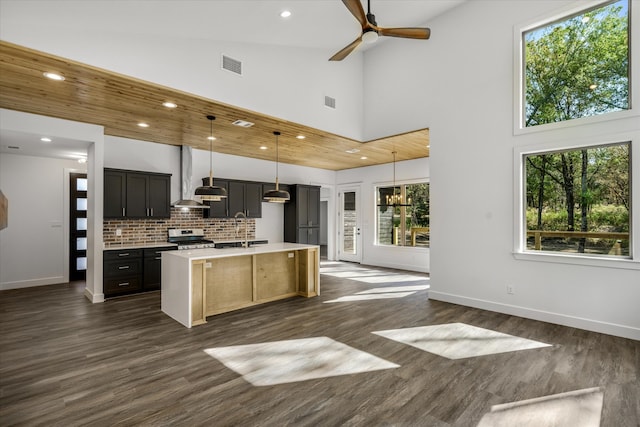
615, 250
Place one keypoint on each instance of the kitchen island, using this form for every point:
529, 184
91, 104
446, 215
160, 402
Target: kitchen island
204, 282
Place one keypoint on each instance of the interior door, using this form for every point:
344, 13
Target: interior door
349, 233
78, 227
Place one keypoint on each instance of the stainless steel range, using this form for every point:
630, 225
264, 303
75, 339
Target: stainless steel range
189, 238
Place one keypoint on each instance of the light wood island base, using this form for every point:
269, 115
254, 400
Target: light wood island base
220, 280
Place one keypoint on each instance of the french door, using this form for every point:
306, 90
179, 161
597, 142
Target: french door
78, 226
349, 232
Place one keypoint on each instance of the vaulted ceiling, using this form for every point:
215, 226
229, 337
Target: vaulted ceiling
104, 97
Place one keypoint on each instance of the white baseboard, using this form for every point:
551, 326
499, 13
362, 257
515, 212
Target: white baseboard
34, 282
94, 298
395, 265
544, 316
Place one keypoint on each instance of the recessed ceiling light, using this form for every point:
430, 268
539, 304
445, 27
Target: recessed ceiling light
263, 147
363, 158
53, 76
352, 151
82, 160
170, 104
45, 139
301, 137
143, 125
285, 14
211, 138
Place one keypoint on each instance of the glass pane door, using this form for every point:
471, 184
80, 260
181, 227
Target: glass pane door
350, 234
78, 227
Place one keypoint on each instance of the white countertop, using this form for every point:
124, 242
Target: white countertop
193, 254
251, 239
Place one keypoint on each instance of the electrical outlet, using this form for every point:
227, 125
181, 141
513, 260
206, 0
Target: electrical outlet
510, 289
207, 265
118, 231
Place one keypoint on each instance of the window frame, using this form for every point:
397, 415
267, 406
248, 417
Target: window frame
520, 225
402, 185
519, 127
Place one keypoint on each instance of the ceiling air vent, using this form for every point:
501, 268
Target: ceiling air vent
232, 65
243, 123
330, 102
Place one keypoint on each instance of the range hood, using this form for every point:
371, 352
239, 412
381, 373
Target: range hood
186, 193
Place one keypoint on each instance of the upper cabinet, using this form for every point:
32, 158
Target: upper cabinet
217, 209
242, 196
134, 194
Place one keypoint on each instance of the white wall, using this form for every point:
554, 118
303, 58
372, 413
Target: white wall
410, 258
462, 89
30, 247
275, 81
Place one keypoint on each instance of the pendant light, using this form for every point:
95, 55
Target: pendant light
394, 199
277, 195
210, 193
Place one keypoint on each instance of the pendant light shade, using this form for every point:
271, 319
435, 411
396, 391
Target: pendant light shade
210, 193
277, 195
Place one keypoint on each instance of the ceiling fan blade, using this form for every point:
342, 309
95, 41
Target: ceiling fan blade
408, 33
347, 50
355, 7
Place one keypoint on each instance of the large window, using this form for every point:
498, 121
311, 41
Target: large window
402, 215
578, 201
577, 66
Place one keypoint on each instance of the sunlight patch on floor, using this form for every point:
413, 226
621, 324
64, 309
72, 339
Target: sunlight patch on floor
290, 361
459, 340
575, 408
390, 292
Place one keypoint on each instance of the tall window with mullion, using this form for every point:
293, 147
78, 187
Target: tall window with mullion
402, 215
578, 66
578, 200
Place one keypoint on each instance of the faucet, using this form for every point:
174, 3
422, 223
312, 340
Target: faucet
246, 229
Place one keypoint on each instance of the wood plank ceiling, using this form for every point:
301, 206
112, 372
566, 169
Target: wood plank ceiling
119, 102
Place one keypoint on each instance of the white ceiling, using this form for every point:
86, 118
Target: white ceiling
28, 144
319, 24
323, 25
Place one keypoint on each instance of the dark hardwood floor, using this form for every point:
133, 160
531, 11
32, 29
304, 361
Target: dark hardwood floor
65, 361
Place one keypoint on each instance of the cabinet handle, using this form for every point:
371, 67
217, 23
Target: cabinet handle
151, 211
124, 254
122, 211
158, 257
123, 267
123, 284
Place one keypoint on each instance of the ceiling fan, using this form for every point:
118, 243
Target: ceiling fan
371, 31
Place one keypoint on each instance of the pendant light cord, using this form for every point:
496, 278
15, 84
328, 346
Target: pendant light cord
277, 134
211, 118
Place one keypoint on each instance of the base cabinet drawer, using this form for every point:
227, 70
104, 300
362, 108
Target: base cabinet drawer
122, 285
123, 268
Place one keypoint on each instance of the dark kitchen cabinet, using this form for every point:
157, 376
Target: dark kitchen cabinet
122, 272
133, 194
302, 215
152, 268
130, 271
217, 209
242, 196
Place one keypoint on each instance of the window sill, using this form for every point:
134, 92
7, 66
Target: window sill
591, 261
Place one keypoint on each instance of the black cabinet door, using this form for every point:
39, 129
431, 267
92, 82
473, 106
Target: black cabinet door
308, 235
236, 197
217, 209
313, 212
152, 273
115, 190
253, 199
137, 195
159, 194
302, 205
